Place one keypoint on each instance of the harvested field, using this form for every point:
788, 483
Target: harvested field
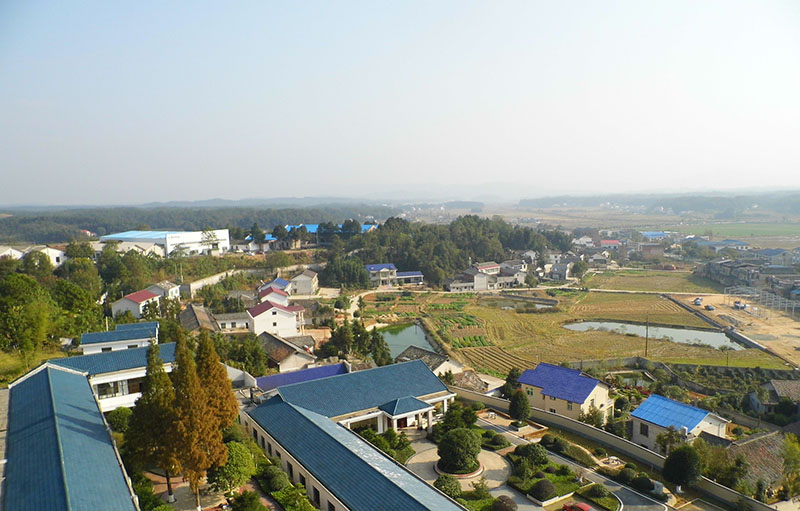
633, 307
647, 280
494, 358
467, 332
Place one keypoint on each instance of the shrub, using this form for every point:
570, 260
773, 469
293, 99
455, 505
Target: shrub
248, 501
534, 453
480, 489
598, 491
448, 485
458, 451
626, 475
563, 470
547, 439
599, 452
632, 466
540, 475
504, 503
642, 483
542, 490
550, 469
275, 478
683, 465
500, 441
118, 419
560, 445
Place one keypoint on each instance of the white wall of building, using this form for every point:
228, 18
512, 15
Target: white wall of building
275, 321
599, 397
100, 347
124, 304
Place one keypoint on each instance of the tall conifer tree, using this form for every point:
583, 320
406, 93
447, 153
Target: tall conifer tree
152, 435
199, 438
214, 379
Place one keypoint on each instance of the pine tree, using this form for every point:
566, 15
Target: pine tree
214, 380
152, 428
379, 349
199, 439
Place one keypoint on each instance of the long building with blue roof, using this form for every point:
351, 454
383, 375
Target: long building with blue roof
658, 413
190, 242
565, 391
272, 382
307, 426
125, 336
116, 376
60, 456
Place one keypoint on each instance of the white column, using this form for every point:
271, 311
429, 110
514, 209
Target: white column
430, 421
444, 404
394, 424
381, 424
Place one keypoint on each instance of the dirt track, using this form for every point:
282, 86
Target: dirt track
775, 330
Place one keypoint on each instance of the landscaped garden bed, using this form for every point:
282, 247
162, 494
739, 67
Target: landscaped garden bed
600, 496
538, 478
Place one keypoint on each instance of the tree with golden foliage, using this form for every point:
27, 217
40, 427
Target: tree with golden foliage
199, 439
214, 380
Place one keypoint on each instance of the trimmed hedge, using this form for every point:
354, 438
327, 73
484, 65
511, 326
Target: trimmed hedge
542, 490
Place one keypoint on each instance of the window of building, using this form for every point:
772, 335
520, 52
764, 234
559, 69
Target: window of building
233, 324
274, 324
105, 350
222, 325
263, 443
315, 496
331, 507
278, 453
111, 389
302, 480
529, 391
569, 405
269, 449
255, 434
135, 385
553, 410
290, 470
552, 398
274, 313
132, 346
644, 429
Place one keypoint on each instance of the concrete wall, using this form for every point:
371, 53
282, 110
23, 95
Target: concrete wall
708, 487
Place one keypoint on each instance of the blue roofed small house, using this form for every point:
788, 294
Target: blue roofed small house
658, 413
382, 274
565, 391
125, 336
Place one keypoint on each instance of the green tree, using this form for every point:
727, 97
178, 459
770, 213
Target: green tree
668, 439
152, 436
248, 501
579, 269
458, 451
36, 264
512, 383
236, 471
379, 349
275, 260
520, 407
199, 439
448, 485
683, 466
119, 418
77, 249
257, 233
593, 416
280, 233
791, 464
221, 401
82, 272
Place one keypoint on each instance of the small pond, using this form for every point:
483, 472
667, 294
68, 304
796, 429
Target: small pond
400, 337
682, 335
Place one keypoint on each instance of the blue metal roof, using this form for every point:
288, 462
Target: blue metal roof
769, 252
276, 380
403, 405
60, 456
132, 331
133, 235
279, 282
560, 382
654, 234
410, 274
355, 472
367, 227
381, 266
665, 412
142, 324
352, 392
112, 361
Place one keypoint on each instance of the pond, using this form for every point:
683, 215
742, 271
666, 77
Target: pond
682, 335
400, 337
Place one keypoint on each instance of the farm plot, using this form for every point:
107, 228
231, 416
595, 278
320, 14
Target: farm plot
633, 307
494, 358
646, 280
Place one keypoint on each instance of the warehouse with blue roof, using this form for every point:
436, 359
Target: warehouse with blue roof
565, 391
188, 242
308, 429
658, 413
60, 456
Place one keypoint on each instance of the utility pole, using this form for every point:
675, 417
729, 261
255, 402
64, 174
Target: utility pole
646, 335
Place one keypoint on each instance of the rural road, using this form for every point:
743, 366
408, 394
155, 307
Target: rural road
631, 500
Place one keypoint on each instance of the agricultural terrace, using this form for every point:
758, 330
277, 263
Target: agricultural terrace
648, 280
495, 333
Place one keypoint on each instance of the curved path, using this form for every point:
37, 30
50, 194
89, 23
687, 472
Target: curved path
496, 469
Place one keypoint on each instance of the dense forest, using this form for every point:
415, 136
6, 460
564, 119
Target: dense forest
63, 226
439, 251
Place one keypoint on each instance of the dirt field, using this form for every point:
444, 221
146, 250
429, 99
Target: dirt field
644, 280
776, 330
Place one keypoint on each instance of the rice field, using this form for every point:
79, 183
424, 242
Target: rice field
648, 280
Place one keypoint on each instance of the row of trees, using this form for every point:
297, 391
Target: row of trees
177, 423
354, 338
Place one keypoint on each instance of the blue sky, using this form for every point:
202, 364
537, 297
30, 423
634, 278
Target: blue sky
130, 102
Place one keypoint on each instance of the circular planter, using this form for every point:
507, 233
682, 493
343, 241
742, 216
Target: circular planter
458, 476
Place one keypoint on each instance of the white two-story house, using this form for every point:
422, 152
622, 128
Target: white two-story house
565, 391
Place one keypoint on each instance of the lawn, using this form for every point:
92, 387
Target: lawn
12, 365
645, 280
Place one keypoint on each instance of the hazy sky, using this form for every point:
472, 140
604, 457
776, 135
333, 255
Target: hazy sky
129, 102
